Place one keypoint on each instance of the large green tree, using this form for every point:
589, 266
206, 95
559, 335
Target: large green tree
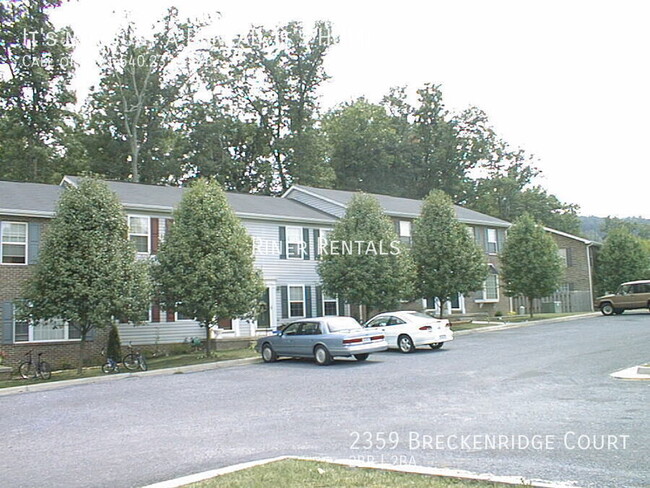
532, 266
271, 77
145, 85
447, 259
87, 272
36, 101
363, 262
623, 257
205, 265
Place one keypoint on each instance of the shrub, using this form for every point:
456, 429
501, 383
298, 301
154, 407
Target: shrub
114, 347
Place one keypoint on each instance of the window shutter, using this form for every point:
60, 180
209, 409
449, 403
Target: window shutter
283, 242
155, 313
319, 301
154, 234
308, 308
569, 256
341, 306
316, 244
33, 241
171, 315
7, 323
501, 239
305, 239
284, 301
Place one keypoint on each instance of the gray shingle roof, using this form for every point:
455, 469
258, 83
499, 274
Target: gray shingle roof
137, 196
404, 207
32, 199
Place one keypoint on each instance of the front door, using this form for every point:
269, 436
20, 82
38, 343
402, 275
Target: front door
264, 315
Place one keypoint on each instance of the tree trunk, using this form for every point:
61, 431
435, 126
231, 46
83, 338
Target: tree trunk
207, 339
82, 352
442, 307
530, 307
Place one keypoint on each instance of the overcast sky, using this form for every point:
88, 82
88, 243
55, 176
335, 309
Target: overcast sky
567, 81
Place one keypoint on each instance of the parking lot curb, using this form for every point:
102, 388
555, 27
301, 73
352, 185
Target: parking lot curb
410, 469
194, 368
528, 323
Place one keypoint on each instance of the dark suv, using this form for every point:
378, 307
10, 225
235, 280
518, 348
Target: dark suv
629, 296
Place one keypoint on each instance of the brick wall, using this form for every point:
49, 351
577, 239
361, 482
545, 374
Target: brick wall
577, 274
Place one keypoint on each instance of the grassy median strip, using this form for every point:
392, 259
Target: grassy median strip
291, 473
153, 363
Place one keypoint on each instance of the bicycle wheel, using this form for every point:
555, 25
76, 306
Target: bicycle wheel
143, 363
45, 370
26, 370
106, 368
130, 362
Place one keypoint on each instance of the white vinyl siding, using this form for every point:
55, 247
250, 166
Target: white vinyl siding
13, 241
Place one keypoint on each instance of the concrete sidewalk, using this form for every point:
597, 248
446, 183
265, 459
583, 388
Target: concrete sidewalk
526, 323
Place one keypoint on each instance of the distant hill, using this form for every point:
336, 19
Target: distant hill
592, 225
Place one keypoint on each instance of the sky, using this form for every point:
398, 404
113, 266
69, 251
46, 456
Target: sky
567, 81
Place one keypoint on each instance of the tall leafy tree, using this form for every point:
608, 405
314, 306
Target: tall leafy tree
532, 266
623, 257
272, 77
144, 85
205, 265
447, 260
374, 270
36, 101
87, 272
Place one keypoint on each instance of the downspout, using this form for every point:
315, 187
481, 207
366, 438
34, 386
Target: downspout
591, 285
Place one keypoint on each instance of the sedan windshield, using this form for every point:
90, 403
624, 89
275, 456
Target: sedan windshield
342, 323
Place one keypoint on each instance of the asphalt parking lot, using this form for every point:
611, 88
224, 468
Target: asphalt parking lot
535, 401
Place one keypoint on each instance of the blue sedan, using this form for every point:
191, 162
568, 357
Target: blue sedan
322, 338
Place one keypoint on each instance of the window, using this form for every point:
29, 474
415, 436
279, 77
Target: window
404, 227
492, 243
394, 321
321, 245
379, 322
491, 288
295, 244
297, 301
330, 305
13, 236
52, 330
139, 233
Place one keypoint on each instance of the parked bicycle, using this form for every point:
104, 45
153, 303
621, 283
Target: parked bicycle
110, 366
134, 360
30, 369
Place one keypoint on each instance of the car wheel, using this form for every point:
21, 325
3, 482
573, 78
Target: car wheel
436, 345
361, 357
606, 309
619, 311
322, 356
268, 354
405, 344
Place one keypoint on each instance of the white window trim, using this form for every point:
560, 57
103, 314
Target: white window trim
289, 301
300, 242
495, 241
30, 335
2, 243
148, 234
329, 300
490, 300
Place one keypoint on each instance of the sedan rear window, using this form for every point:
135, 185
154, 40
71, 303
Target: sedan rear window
342, 323
420, 314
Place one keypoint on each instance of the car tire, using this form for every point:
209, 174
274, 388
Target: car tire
619, 311
268, 354
436, 345
405, 344
361, 357
322, 356
607, 309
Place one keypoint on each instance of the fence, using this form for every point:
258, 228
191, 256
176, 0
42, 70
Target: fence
571, 301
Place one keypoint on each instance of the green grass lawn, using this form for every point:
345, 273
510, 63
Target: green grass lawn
153, 363
292, 473
511, 319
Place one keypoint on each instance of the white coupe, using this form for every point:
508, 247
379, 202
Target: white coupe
406, 330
